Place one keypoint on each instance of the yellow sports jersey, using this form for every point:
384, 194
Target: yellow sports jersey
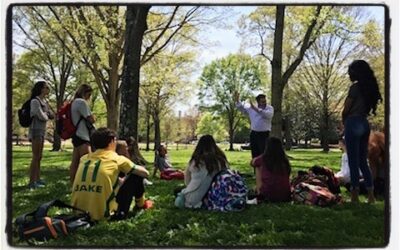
96, 182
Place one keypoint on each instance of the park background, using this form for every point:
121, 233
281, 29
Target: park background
173, 115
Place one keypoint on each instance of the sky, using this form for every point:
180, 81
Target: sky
228, 42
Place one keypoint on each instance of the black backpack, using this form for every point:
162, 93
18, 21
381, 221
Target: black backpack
24, 114
39, 226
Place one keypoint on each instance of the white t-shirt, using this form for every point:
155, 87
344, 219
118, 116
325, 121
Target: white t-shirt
80, 108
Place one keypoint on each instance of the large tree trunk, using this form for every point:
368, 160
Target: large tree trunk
136, 16
280, 80
157, 131
276, 78
325, 122
148, 132
288, 134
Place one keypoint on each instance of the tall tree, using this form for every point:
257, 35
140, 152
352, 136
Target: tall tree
322, 77
302, 28
224, 77
166, 26
160, 91
136, 25
50, 59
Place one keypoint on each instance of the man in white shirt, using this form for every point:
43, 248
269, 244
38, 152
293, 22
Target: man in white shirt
260, 122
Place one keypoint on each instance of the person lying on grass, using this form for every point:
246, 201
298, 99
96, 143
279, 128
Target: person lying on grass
96, 188
207, 160
272, 173
162, 164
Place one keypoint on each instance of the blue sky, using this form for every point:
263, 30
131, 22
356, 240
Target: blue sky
228, 42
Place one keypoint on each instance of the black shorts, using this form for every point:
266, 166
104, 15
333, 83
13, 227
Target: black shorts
77, 141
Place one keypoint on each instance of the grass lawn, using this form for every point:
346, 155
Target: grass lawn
264, 225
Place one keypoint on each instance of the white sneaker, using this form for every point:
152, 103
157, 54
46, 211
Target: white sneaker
252, 202
147, 182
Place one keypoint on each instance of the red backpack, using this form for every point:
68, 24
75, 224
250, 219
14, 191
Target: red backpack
64, 125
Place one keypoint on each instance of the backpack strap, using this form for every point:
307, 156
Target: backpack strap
44, 208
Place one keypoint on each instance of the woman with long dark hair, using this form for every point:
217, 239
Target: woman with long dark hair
83, 119
272, 173
207, 160
40, 114
362, 100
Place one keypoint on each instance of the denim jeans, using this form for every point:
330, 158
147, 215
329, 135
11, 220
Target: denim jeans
356, 132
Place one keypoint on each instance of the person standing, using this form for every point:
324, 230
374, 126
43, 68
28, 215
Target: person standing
362, 99
83, 119
260, 122
40, 113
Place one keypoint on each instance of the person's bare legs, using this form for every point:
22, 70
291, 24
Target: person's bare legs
34, 169
77, 153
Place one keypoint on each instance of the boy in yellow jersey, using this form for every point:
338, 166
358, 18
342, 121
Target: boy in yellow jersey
96, 184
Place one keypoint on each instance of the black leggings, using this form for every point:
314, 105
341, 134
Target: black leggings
132, 186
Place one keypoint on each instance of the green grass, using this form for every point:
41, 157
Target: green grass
264, 225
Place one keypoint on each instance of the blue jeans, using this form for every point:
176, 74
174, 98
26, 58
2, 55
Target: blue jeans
356, 133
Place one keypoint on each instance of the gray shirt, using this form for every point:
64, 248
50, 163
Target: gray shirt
197, 181
80, 109
39, 114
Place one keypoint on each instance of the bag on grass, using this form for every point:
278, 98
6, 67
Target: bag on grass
37, 225
309, 194
227, 192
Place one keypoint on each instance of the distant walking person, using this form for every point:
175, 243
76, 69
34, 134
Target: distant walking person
362, 98
83, 119
40, 113
260, 122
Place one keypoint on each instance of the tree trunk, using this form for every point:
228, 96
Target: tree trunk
325, 119
276, 78
288, 135
148, 132
112, 115
157, 134
231, 131
136, 16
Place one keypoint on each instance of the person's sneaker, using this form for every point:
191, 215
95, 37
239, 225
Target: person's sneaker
147, 205
147, 182
41, 182
118, 216
35, 185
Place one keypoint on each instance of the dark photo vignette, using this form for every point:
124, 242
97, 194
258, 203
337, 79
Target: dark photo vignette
9, 59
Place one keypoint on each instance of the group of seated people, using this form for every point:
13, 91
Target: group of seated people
113, 175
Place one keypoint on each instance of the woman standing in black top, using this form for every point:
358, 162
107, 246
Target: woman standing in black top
362, 99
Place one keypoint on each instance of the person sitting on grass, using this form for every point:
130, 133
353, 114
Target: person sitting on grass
272, 173
207, 160
95, 188
162, 164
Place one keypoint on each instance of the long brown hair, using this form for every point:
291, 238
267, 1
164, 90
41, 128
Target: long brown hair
360, 71
274, 157
210, 154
